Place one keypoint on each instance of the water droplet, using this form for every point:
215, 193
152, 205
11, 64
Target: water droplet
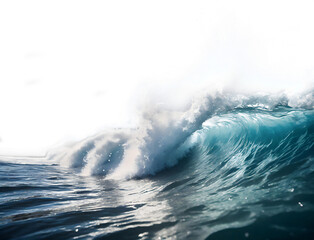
301, 205
291, 190
76, 230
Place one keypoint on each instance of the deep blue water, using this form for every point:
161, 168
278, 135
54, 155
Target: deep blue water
244, 174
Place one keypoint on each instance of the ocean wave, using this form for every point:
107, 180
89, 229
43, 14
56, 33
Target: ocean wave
244, 125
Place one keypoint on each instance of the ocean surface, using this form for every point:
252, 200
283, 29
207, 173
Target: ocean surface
228, 167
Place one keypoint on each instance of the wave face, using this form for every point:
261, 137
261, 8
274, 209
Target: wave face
252, 146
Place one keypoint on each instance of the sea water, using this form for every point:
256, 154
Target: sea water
229, 167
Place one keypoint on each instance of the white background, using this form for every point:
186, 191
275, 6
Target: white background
69, 69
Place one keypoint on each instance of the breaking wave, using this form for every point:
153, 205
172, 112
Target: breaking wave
240, 130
